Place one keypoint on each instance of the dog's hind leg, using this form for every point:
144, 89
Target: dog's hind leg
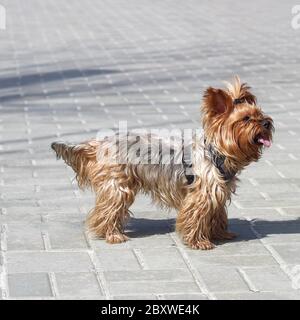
114, 195
113, 183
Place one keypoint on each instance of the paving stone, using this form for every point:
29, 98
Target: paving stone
290, 253
259, 296
135, 297
240, 260
152, 241
149, 275
67, 235
83, 284
291, 211
284, 203
24, 237
279, 231
189, 296
148, 287
235, 248
123, 259
29, 285
20, 262
82, 298
163, 258
269, 279
222, 279
258, 216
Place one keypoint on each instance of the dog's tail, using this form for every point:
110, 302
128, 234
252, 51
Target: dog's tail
81, 157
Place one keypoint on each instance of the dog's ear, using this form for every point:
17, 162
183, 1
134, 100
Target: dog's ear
216, 101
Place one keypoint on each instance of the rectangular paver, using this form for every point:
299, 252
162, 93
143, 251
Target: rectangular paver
21, 262
29, 285
79, 284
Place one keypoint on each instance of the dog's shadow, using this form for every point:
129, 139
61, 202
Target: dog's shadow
141, 227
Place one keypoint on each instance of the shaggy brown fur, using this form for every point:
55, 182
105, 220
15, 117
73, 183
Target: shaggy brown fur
235, 129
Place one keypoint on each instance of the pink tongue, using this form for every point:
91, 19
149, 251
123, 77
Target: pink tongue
265, 142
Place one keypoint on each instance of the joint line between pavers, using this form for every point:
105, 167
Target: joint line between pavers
253, 182
265, 195
3, 272
281, 212
292, 156
99, 274
53, 284
46, 241
52, 278
273, 252
247, 280
139, 257
197, 277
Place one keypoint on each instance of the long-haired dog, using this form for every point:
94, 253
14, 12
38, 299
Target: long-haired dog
197, 180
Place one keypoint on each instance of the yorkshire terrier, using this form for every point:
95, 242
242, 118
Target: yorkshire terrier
198, 184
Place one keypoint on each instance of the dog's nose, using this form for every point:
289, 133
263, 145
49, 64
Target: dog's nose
266, 123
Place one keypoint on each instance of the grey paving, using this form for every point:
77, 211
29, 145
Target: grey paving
29, 285
71, 68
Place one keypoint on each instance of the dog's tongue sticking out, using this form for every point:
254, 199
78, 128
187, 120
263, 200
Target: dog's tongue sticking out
267, 143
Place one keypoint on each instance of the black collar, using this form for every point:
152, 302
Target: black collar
217, 159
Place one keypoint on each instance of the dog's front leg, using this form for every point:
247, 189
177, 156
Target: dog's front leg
220, 226
194, 221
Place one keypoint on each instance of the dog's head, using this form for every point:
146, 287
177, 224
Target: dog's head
234, 124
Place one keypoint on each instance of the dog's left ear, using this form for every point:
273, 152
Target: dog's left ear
216, 101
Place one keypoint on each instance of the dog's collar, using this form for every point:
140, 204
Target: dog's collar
218, 161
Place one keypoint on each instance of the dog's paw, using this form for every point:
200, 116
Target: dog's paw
116, 238
201, 244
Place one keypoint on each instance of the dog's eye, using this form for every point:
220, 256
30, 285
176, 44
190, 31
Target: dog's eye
246, 118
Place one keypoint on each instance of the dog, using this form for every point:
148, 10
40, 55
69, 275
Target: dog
199, 184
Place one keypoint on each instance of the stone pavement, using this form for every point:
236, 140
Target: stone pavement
70, 68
